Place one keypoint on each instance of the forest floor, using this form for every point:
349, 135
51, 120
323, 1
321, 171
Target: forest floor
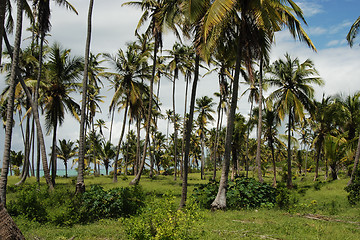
320, 212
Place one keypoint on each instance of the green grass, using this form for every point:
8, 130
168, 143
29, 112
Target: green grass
315, 214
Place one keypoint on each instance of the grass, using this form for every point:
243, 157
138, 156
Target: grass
319, 211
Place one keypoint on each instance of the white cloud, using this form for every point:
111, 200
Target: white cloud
310, 8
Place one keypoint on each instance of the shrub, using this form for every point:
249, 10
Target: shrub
97, 203
29, 205
241, 193
354, 189
161, 220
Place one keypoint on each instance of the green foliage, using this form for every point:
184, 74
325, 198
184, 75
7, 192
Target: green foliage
354, 189
241, 193
60, 207
28, 204
117, 202
161, 220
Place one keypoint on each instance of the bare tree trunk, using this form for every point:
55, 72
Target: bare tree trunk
119, 144
175, 130
53, 155
8, 228
80, 184
10, 107
2, 21
258, 149
188, 132
289, 173
220, 200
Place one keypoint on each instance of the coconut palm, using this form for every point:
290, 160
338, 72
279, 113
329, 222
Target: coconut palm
80, 184
323, 124
293, 95
131, 68
10, 106
161, 14
65, 151
61, 73
353, 32
204, 107
256, 22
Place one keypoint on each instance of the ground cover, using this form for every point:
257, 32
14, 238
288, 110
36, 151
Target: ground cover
315, 210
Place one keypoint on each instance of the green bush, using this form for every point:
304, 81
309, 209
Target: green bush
98, 204
241, 193
29, 204
60, 207
161, 220
354, 189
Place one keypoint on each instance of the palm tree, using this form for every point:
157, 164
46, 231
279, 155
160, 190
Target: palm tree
204, 106
256, 22
10, 107
107, 152
65, 151
353, 32
80, 184
271, 121
132, 68
323, 124
160, 13
61, 73
293, 95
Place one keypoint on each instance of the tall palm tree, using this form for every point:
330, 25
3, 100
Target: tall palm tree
80, 184
65, 151
10, 107
61, 73
293, 95
271, 121
106, 152
256, 22
131, 68
160, 13
204, 106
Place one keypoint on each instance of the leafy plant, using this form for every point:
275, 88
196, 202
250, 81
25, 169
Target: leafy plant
241, 193
354, 189
161, 220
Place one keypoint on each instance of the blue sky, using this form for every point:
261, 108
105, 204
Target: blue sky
113, 26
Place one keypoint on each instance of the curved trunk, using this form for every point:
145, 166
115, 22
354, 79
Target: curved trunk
188, 133
26, 166
216, 141
258, 149
111, 123
137, 160
220, 200
10, 107
148, 119
80, 184
119, 143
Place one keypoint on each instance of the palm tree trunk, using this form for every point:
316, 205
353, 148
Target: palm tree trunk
80, 184
258, 149
216, 140
318, 159
188, 132
247, 141
184, 126
112, 121
148, 120
175, 131
2, 21
138, 156
356, 162
220, 200
8, 228
26, 165
37, 120
202, 156
53, 154
289, 174
274, 163
10, 107
119, 143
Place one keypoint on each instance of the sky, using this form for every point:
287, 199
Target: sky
113, 26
